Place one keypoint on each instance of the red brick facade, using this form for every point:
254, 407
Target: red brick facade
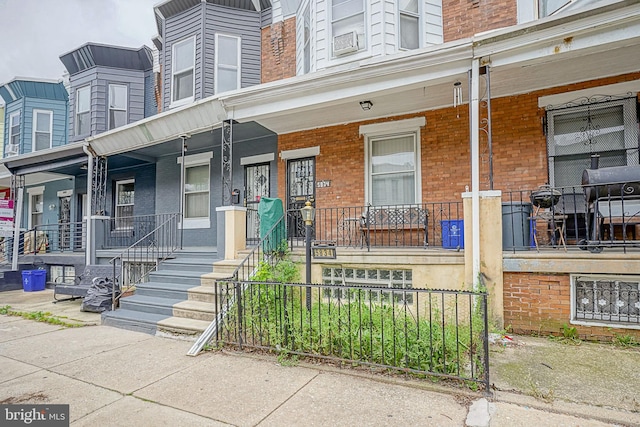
279, 51
464, 18
519, 150
541, 304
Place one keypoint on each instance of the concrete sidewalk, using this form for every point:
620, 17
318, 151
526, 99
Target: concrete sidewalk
115, 377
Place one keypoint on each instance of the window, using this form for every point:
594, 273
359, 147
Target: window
306, 40
409, 24
196, 192
604, 301
125, 192
392, 168
43, 123
36, 206
347, 16
83, 111
183, 65
608, 128
398, 280
227, 63
117, 105
14, 134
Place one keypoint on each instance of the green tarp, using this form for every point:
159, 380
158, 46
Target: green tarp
271, 211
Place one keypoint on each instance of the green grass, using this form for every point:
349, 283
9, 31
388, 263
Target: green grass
39, 316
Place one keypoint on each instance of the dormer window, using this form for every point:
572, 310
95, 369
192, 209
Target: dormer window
183, 65
117, 105
347, 26
83, 111
227, 63
42, 126
409, 24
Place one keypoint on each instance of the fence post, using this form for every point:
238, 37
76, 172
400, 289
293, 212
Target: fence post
240, 307
485, 344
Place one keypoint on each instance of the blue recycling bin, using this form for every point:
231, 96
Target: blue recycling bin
33, 280
452, 234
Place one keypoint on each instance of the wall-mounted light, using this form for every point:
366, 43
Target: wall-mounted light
366, 105
52, 207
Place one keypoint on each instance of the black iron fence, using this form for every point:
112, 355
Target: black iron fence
588, 217
133, 265
437, 224
437, 333
123, 232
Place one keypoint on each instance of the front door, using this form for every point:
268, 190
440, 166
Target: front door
64, 219
301, 185
256, 186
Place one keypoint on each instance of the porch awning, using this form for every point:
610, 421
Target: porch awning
203, 115
45, 160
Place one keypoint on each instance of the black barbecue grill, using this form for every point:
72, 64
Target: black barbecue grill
613, 197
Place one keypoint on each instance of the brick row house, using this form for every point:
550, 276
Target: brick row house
425, 133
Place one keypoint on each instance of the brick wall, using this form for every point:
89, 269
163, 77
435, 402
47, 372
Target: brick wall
279, 51
464, 18
519, 150
541, 304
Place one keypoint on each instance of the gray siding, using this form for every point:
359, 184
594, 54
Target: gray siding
178, 28
100, 78
235, 22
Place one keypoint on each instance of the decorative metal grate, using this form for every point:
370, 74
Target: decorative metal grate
607, 300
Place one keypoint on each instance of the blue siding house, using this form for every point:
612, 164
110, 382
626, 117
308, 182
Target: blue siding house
36, 115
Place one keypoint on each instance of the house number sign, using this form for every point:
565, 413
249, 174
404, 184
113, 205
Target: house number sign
323, 184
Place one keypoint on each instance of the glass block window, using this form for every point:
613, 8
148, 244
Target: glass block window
370, 278
607, 299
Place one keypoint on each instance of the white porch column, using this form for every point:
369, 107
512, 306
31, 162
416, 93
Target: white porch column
474, 105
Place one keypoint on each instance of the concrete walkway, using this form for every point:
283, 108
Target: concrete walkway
114, 377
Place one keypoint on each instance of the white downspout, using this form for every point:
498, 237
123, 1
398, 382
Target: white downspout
475, 169
89, 240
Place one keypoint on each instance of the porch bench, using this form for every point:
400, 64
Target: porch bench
405, 224
82, 283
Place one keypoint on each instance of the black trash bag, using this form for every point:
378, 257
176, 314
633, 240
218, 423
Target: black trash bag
99, 296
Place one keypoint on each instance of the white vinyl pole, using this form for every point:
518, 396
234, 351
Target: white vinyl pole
475, 168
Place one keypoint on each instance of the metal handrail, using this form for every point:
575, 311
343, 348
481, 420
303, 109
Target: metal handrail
152, 248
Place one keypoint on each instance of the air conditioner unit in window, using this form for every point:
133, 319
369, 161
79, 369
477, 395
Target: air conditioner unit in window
13, 149
345, 43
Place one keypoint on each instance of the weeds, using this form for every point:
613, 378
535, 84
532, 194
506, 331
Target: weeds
624, 341
38, 316
569, 336
536, 391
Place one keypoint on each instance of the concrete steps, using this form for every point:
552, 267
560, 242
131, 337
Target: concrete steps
178, 298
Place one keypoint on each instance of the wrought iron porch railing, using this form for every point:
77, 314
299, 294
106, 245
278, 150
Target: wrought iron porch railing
412, 225
427, 332
123, 232
588, 217
43, 239
133, 265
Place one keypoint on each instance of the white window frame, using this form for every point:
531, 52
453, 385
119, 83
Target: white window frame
200, 159
306, 39
177, 102
118, 204
14, 116
630, 130
380, 131
218, 66
417, 15
35, 127
78, 112
35, 191
114, 108
362, 37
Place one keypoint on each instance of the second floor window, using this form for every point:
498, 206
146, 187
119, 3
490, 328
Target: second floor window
409, 24
42, 124
183, 65
14, 130
117, 105
347, 26
227, 63
83, 111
